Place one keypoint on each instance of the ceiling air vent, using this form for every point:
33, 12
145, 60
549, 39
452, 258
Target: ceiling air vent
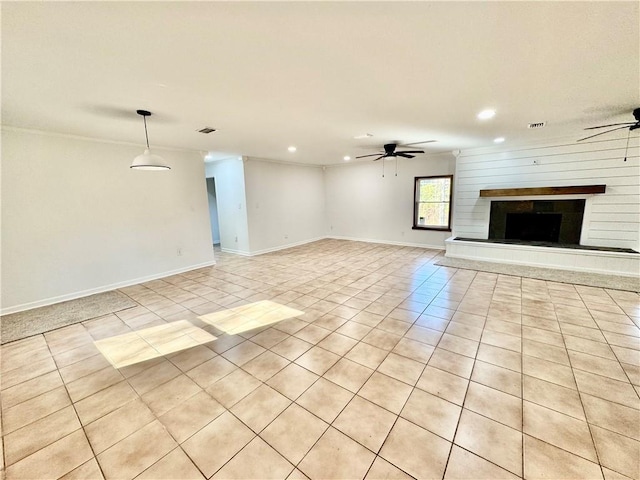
537, 125
207, 130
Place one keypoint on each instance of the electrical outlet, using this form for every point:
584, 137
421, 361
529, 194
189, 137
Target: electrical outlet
236, 239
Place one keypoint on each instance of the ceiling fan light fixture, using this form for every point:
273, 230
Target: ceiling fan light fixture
390, 151
498, 140
148, 160
346, 158
292, 149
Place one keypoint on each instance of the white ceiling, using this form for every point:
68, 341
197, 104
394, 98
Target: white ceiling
268, 75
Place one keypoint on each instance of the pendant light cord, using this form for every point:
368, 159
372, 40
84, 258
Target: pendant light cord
145, 131
626, 149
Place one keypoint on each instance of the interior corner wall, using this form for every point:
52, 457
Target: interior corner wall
285, 204
611, 219
231, 203
364, 205
77, 220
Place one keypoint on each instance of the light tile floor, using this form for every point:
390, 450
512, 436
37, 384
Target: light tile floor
148, 343
397, 368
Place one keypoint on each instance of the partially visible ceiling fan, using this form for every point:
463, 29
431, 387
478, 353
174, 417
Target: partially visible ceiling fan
619, 126
390, 151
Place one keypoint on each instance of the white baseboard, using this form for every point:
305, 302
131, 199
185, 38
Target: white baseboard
272, 249
104, 288
388, 242
284, 247
235, 252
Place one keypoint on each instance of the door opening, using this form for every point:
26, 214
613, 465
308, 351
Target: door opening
213, 211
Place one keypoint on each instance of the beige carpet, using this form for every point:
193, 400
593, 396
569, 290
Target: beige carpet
616, 282
44, 319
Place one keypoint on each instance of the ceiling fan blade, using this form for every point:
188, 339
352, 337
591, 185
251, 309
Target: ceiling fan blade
602, 133
376, 159
611, 125
416, 143
372, 155
404, 154
411, 151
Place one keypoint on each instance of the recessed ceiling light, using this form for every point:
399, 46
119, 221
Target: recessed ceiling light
364, 135
292, 149
498, 140
486, 114
346, 158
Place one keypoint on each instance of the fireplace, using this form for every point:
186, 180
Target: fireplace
537, 221
542, 227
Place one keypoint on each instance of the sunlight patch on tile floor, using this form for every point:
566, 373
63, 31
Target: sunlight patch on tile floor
152, 342
247, 317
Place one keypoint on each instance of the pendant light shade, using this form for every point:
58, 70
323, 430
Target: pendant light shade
148, 160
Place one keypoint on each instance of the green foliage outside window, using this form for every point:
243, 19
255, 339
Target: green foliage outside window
433, 202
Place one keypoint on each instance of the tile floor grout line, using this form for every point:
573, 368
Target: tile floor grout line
355, 394
2, 434
612, 350
138, 396
586, 418
578, 391
475, 359
255, 435
84, 432
522, 354
446, 465
307, 389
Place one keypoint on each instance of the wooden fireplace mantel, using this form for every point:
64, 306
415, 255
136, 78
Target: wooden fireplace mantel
522, 192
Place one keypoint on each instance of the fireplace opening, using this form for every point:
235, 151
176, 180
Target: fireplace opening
537, 221
533, 227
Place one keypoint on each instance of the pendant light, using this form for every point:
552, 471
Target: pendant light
148, 160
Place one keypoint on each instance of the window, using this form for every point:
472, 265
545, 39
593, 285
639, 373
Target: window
432, 203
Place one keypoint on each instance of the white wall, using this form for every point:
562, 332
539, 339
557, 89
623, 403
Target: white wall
611, 219
232, 208
285, 204
76, 219
362, 205
213, 210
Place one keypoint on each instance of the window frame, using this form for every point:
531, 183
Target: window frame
416, 180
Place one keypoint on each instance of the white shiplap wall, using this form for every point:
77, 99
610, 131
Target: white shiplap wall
611, 219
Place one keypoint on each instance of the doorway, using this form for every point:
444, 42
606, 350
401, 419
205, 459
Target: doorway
213, 211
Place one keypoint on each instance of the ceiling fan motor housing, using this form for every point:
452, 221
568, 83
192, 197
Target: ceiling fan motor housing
389, 148
636, 115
